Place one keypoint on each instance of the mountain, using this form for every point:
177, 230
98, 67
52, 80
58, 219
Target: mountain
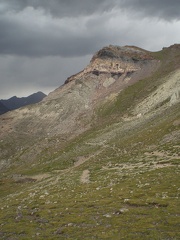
15, 102
98, 157
3, 109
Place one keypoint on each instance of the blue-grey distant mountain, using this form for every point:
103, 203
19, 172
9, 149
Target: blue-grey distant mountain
3, 108
15, 102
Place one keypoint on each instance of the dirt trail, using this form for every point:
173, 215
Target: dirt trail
40, 177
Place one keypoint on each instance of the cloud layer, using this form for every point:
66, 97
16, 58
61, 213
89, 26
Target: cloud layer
168, 10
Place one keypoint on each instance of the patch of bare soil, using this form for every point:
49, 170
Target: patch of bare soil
85, 176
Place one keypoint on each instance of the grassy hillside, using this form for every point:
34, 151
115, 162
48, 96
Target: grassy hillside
118, 180
129, 189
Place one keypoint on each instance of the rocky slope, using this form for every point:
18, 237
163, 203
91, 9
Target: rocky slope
69, 110
101, 151
110, 70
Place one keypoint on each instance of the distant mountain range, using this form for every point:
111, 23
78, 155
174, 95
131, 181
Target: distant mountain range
15, 102
3, 108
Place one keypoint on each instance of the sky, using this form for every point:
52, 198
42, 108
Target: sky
42, 42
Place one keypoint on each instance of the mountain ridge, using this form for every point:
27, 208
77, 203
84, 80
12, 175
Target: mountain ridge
16, 102
3, 108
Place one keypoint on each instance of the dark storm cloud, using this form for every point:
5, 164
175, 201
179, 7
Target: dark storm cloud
165, 9
64, 27
27, 30
33, 40
162, 9
61, 8
22, 76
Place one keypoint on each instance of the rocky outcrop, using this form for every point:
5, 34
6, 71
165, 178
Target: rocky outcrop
116, 61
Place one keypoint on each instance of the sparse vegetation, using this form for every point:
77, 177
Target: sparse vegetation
132, 167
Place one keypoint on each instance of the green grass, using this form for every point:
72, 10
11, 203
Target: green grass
94, 210
129, 199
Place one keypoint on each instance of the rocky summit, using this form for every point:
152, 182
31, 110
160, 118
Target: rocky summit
98, 157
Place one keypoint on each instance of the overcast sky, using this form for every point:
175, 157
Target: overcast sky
42, 42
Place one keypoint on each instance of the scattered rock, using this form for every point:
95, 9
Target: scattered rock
107, 215
42, 220
70, 224
59, 231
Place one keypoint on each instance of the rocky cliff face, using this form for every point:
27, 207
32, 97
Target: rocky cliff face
116, 61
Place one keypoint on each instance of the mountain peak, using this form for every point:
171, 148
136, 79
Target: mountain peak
116, 61
124, 53
174, 46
